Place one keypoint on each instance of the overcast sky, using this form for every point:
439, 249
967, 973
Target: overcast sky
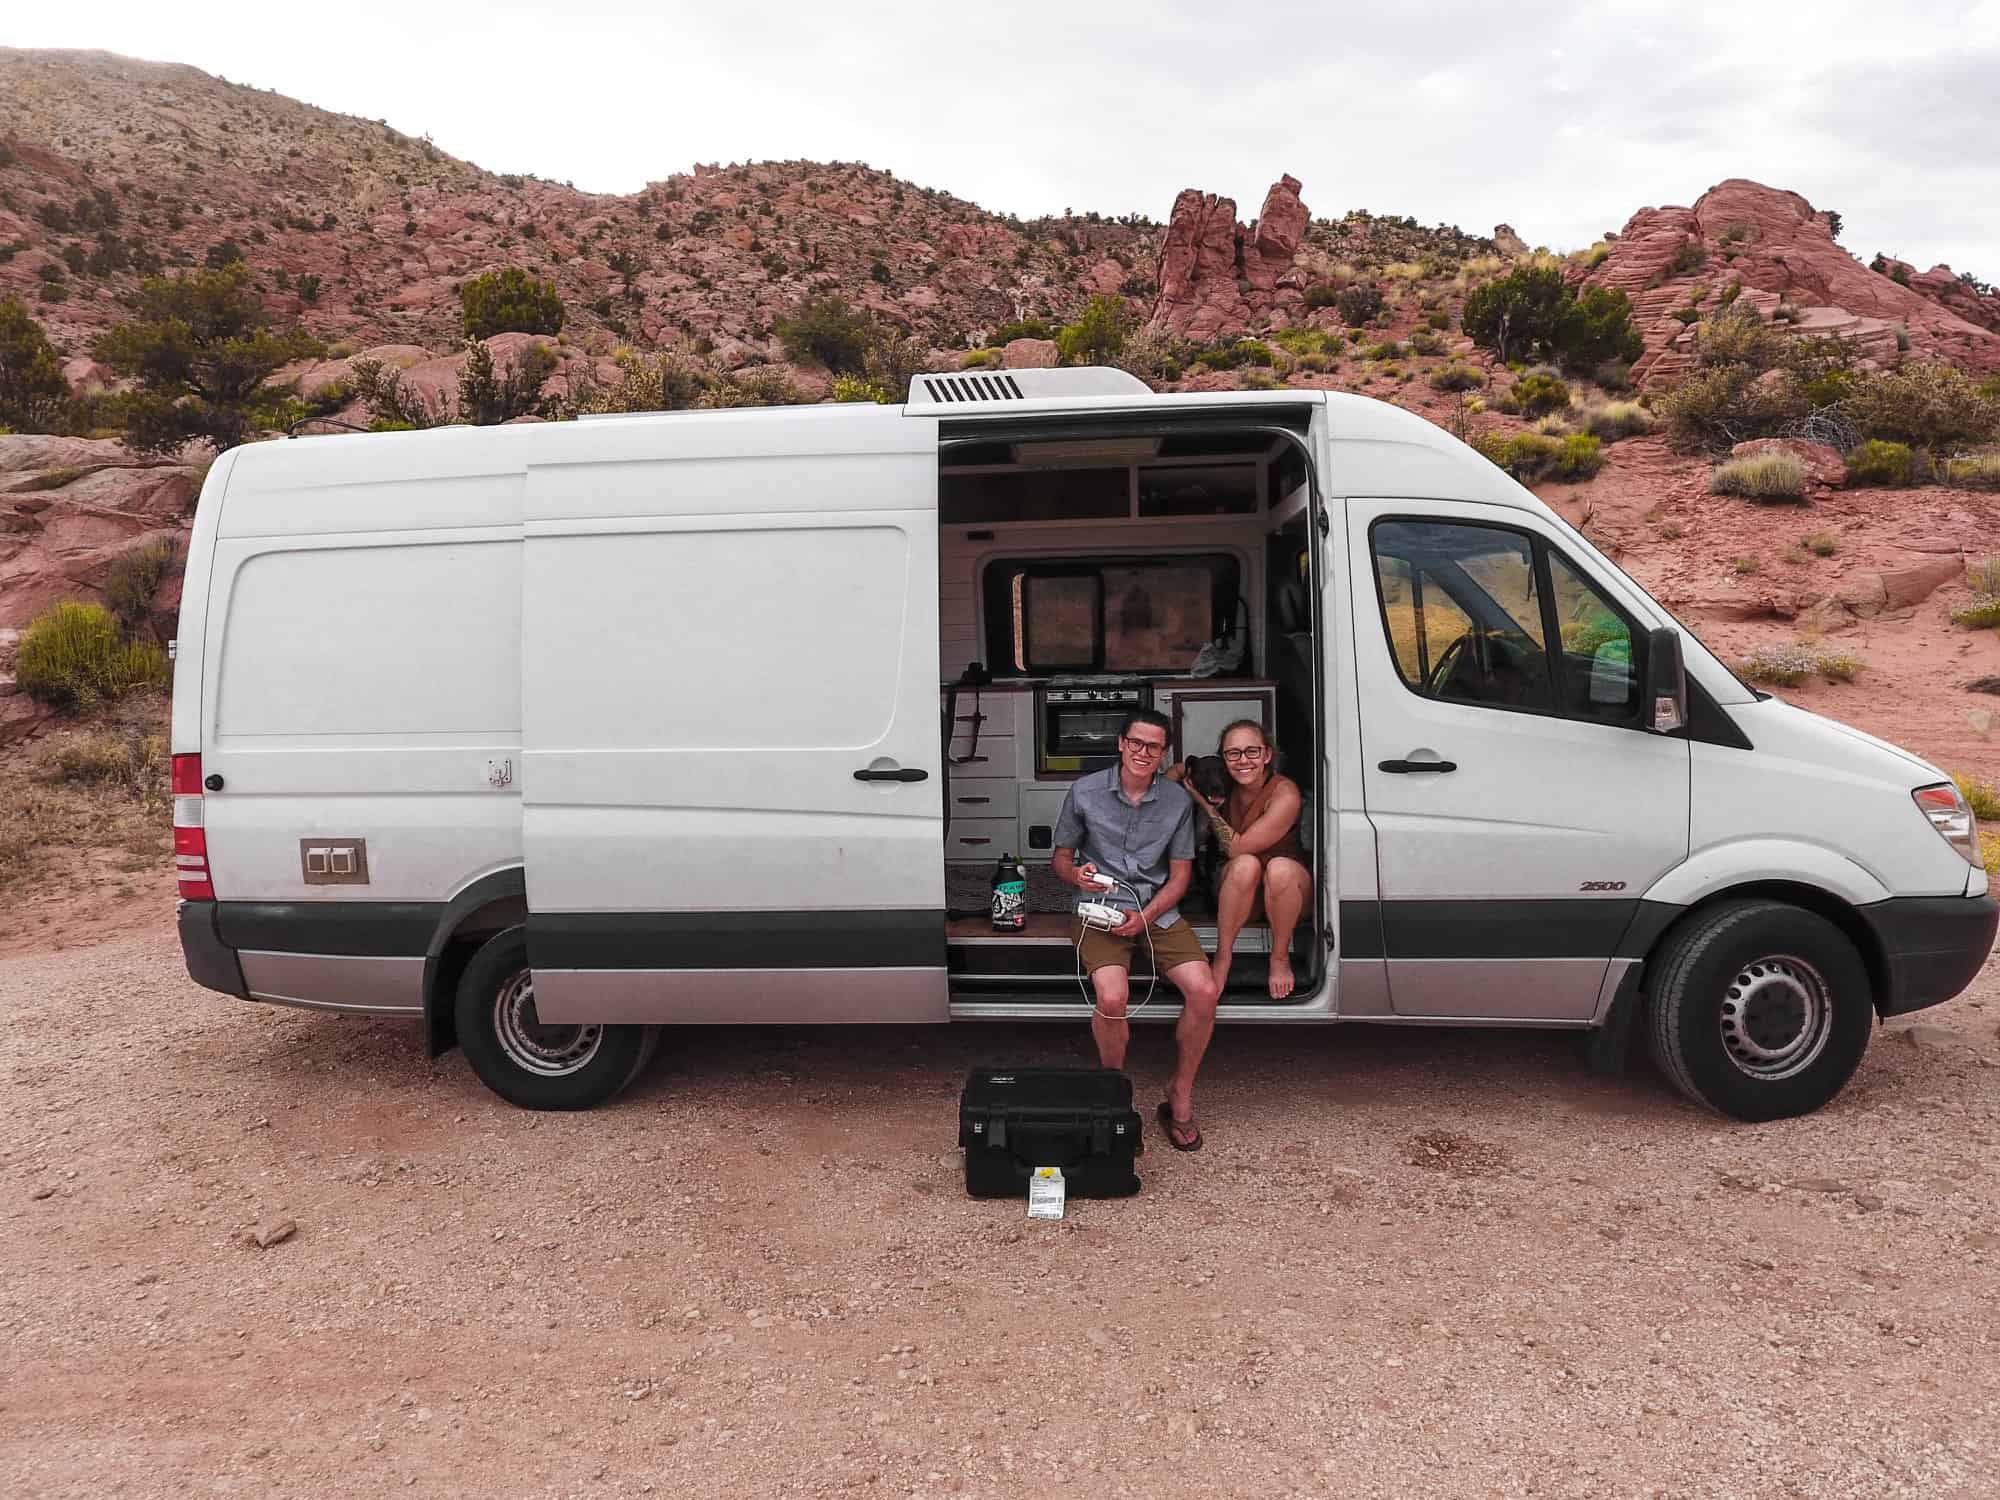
1560, 118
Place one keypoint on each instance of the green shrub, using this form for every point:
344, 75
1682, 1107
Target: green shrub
1778, 666
487, 398
1877, 462
1517, 315
1595, 329
72, 657
1321, 295
1617, 419
1304, 341
1974, 471
1457, 377
1155, 356
1384, 349
1359, 304
1927, 405
1980, 797
1027, 328
1614, 375
134, 577
1822, 544
1536, 395
201, 348
509, 300
1529, 456
1983, 613
1762, 476
1426, 341
1099, 332
981, 359
826, 331
33, 392
1838, 666
1260, 380
856, 388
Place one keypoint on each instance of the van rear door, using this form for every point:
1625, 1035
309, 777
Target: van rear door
731, 802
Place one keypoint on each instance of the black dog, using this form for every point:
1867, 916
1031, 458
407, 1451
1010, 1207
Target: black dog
1205, 773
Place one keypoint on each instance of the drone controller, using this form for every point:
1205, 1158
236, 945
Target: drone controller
1099, 915
1101, 881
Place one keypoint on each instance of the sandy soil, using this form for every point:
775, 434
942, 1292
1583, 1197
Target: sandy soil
1408, 1263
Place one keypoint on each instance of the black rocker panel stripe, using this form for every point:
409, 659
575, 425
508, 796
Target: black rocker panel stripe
362, 929
737, 940
1562, 927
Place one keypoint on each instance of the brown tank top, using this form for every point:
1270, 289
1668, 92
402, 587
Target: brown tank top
1260, 801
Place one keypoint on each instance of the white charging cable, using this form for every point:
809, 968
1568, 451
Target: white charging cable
1152, 980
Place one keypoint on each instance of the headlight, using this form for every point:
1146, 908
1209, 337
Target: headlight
1953, 820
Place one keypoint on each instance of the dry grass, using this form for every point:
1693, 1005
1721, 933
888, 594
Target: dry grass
1982, 575
1766, 476
99, 787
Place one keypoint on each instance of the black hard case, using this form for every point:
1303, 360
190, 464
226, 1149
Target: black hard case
1012, 1120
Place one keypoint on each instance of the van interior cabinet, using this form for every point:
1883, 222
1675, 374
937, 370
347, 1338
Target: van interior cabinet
1202, 709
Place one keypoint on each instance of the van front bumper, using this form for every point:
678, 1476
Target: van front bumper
1934, 946
211, 962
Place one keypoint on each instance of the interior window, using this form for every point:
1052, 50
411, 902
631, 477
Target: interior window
1057, 620
1128, 615
1595, 674
1154, 615
1463, 612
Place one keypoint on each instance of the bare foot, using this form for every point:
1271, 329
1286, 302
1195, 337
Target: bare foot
1281, 976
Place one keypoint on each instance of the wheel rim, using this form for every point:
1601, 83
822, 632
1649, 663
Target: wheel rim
1776, 1017
550, 1051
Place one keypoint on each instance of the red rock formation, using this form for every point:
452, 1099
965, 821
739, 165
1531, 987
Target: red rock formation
1950, 291
69, 507
1774, 244
1217, 277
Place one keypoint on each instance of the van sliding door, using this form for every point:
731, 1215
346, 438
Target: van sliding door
732, 806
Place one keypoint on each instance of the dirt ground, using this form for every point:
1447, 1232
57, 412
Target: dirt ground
1408, 1263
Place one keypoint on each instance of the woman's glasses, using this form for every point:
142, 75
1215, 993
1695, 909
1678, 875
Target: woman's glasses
1245, 752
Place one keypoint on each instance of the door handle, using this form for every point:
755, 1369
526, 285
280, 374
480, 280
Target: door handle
1410, 767
903, 773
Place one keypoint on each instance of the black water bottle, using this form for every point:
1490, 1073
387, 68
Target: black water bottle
1010, 895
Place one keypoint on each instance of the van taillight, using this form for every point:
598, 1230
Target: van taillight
190, 838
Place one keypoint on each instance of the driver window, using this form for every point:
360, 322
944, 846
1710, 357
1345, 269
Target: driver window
1463, 612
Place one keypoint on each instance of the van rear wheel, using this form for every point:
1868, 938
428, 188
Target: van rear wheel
1758, 1009
527, 1061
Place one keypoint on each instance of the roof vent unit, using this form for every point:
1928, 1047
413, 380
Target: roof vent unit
1023, 385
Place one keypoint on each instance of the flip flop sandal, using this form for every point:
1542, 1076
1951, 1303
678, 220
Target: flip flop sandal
1169, 1124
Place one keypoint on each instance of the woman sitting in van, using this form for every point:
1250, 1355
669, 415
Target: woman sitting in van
1257, 822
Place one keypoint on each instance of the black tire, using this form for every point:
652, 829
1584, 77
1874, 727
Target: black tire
1758, 1009
525, 1062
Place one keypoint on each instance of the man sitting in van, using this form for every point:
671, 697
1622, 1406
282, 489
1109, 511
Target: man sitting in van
1123, 823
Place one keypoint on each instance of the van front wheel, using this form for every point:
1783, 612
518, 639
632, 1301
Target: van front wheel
527, 1061
1758, 1009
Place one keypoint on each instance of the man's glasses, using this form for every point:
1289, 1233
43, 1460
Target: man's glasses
1144, 749
1247, 752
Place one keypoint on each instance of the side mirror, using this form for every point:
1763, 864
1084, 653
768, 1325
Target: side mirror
1666, 683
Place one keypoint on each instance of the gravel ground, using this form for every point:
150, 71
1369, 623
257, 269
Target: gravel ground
1408, 1263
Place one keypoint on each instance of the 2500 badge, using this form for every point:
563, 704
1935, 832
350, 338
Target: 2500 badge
1602, 885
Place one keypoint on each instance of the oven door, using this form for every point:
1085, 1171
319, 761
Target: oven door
1079, 737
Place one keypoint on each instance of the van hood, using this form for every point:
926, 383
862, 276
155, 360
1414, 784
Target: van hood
1773, 723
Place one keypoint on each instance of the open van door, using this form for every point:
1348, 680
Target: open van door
731, 797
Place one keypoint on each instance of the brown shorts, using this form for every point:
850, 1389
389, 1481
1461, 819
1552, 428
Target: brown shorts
1172, 947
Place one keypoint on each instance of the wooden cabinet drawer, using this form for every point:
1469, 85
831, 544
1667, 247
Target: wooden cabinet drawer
983, 796
979, 838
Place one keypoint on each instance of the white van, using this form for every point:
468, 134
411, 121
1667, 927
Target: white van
551, 736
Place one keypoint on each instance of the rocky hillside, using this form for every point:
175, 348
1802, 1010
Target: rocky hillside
110, 166
1671, 261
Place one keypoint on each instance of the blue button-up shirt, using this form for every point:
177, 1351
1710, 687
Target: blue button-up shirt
1130, 840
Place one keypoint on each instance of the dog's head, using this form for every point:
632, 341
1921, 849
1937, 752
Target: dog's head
1206, 775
